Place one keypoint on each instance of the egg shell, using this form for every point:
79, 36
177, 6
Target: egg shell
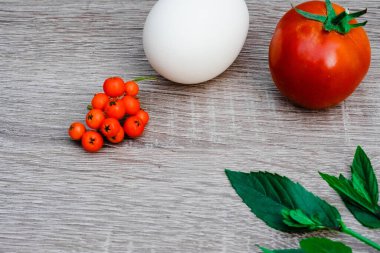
193, 41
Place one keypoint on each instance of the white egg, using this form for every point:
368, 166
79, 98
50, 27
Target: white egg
192, 41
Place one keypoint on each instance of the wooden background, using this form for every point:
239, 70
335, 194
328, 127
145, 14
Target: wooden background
164, 192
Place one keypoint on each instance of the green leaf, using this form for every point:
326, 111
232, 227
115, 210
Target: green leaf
315, 245
297, 218
363, 176
360, 195
368, 219
271, 197
345, 189
264, 250
323, 245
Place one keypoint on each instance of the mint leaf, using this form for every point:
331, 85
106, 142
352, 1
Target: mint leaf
360, 194
315, 245
297, 218
346, 190
363, 177
368, 219
367, 214
283, 204
323, 245
264, 250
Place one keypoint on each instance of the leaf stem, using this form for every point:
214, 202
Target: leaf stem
358, 236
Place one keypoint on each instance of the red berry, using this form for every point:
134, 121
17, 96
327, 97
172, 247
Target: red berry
110, 127
76, 131
143, 115
114, 86
115, 109
131, 88
92, 141
99, 101
131, 104
119, 137
133, 127
94, 118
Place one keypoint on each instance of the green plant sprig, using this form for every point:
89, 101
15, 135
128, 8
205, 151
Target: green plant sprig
360, 194
287, 206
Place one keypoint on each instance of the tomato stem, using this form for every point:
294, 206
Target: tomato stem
333, 22
337, 19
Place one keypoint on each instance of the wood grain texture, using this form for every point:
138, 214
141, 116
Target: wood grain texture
164, 192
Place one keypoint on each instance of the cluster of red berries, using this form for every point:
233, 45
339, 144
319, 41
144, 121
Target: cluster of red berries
113, 114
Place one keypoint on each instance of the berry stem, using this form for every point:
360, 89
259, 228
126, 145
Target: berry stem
144, 78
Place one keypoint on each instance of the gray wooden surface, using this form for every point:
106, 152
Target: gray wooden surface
164, 192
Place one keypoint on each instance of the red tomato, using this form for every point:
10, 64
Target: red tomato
99, 101
119, 137
131, 104
95, 118
133, 127
144, 116
76, 131
115, 109
114, 86
313, 67
110, 127
92, 141
131, 88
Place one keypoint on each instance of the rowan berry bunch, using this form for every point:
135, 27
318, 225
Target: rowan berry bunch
113, 115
